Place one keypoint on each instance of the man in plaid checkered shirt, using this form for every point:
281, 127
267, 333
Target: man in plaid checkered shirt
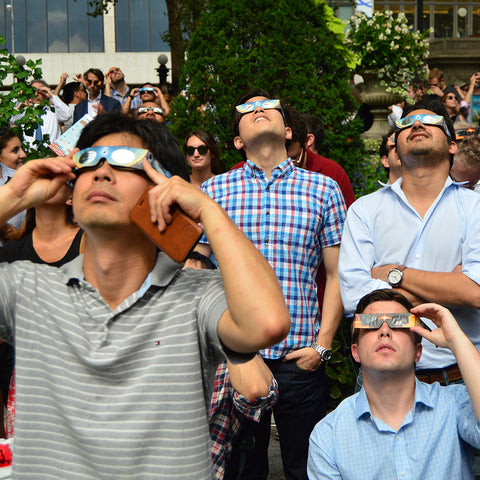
295, 218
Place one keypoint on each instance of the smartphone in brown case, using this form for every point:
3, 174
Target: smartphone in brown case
180, 236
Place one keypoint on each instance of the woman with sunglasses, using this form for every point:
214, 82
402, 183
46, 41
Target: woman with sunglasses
451, 99
202, 153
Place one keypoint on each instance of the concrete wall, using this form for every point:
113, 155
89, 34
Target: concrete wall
458, 58
139, 67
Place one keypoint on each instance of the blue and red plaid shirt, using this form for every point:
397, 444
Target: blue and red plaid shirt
136, 101
226, 410
290, 218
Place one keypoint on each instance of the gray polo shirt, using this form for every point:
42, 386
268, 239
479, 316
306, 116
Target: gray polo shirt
105, 394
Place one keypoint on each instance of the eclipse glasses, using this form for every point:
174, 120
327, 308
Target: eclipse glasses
393, 320
426, 119
264, 104
124, 158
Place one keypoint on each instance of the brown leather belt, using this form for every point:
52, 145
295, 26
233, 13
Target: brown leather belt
442, 375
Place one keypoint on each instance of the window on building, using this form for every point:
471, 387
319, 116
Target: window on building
140, 25
446, 18
50, 26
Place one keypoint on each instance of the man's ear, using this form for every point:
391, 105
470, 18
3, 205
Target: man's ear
310, 140
288, 133
238, 143
418, 352
452, 149
384, 160
355, 352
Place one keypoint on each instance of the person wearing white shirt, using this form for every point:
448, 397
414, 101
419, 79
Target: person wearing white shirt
52, 119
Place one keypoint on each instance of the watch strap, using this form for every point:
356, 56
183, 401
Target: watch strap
325, 353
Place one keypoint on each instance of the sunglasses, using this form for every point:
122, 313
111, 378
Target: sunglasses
113, 70
426, 119
93, 82
393, 320
264, 104
461, 133
451, 97
124, 158
146, 90
202, 150
151, 109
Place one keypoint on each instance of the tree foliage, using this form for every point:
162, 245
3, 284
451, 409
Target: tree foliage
284, 47
15, 101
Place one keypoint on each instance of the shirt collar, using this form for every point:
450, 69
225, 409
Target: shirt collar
283, 170
397, 186
96, 99
422, 397
163, 272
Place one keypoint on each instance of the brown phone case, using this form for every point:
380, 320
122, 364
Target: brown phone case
180, 236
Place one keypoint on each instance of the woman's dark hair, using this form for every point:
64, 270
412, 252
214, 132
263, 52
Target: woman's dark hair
6, 134
68, 91
156, 137
210, 142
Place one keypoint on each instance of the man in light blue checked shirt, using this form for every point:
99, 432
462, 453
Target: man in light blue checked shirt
397, 426
419, 235
295, 218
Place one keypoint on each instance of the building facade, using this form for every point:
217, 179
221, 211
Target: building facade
129, 36
454, 31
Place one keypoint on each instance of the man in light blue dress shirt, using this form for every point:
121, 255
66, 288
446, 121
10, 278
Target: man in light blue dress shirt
419, 235
396, 426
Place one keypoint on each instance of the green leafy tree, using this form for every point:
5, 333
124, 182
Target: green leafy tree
285, 47
16, 99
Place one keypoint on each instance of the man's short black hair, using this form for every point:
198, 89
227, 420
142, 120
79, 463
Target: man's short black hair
156, 137
69, 91
316, 128
96, 72
383, 151
204, 261
383, 295
296, 121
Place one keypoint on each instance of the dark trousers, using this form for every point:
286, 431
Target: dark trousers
302, 402
7, 362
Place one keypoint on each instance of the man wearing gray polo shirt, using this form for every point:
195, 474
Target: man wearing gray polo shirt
114, 349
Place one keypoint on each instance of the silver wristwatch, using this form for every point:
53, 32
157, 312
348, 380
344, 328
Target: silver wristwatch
395, 276
325, 353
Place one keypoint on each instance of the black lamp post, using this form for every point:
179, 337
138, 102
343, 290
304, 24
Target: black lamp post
162, 70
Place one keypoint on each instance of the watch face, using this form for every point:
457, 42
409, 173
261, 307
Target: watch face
394, 277
327, 355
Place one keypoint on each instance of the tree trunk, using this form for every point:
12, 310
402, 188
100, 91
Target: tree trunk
177, 43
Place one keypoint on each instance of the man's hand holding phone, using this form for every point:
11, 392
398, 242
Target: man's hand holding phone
160, 214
